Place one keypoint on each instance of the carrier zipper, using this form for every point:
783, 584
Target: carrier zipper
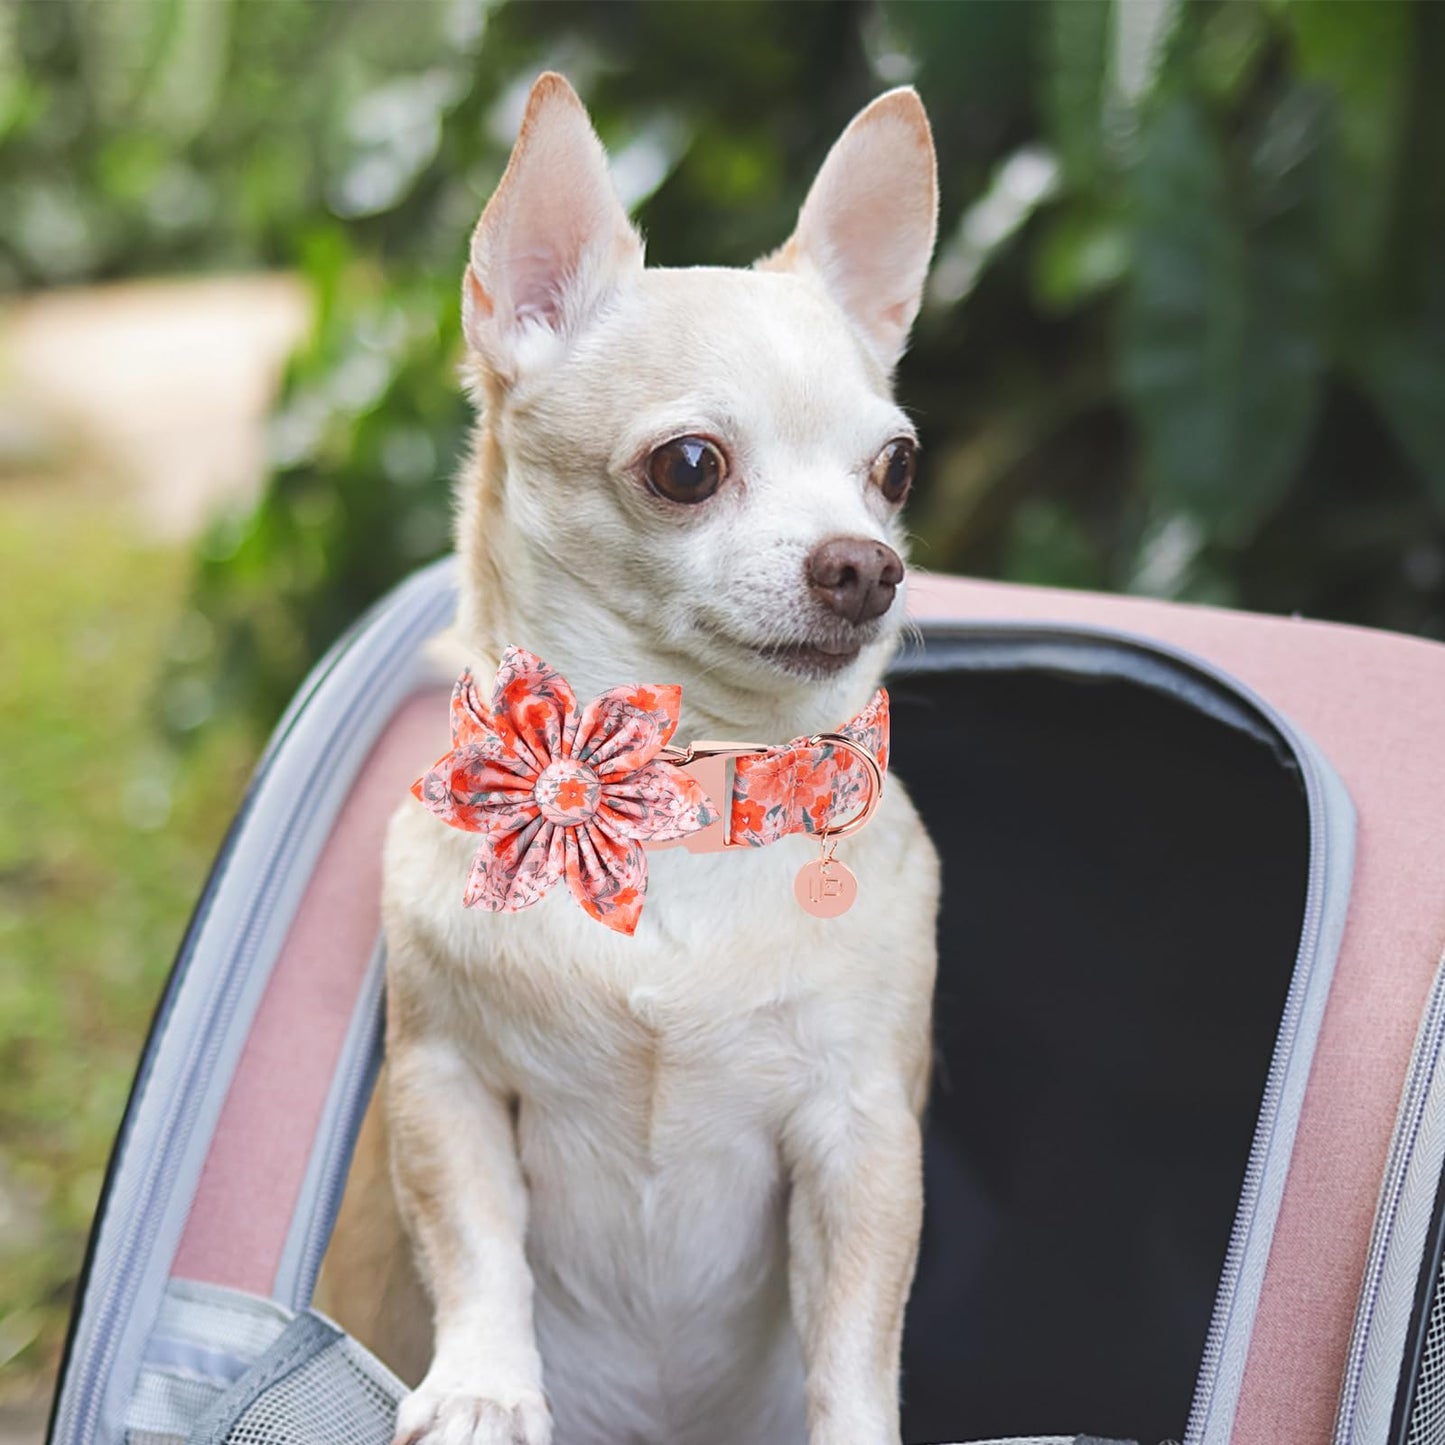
1196, 1431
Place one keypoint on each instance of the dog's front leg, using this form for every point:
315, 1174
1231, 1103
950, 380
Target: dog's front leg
853, 1224
459, 1185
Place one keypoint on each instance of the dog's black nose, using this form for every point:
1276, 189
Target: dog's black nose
854, 576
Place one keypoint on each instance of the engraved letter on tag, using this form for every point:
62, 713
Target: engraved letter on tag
825, 889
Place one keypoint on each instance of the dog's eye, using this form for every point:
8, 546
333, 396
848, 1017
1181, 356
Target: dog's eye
893, 469
689, 469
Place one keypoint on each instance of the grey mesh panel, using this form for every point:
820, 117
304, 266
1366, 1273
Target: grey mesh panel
1427, 1413
163, 1407
314, 1386
334, 1399
228, 1366
206, 1338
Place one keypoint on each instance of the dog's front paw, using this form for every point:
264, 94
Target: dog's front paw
438, 1416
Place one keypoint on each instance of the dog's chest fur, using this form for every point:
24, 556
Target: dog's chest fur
656, 1079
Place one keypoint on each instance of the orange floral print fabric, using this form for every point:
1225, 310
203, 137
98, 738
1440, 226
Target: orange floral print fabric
804, 788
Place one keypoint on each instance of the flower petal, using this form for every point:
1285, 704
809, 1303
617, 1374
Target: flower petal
657, 803
514, 868
471, 718
625, 728
468, 784
607, 874
531, 707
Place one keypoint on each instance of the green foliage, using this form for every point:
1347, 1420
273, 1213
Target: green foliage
1222, 361
105, 839
145, 136
1188, 310
1212, 355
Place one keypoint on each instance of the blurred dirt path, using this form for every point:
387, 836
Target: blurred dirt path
22, 1426
159, 387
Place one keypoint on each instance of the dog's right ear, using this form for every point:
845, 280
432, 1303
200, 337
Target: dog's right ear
553, 243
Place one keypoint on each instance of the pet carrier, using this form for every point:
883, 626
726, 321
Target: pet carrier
1187, 1132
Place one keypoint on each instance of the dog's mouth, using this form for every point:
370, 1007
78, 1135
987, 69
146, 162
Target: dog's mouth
814, 656
813, 659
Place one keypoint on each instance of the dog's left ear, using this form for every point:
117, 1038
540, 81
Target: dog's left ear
867, 228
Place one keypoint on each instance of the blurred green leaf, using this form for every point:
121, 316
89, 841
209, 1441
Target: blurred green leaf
1398, 344
1075, 73
1023, 182
1233, 41
1048, 546
1083, 251
1403, 373
1223, 347
1359, 53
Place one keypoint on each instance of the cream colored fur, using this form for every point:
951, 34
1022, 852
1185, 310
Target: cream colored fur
664, 1188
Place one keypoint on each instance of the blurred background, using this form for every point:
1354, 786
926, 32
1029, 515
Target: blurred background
1185, 336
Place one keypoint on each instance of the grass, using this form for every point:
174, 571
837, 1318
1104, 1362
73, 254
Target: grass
106, 834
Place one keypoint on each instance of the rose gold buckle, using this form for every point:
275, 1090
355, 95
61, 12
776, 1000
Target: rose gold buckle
707, 761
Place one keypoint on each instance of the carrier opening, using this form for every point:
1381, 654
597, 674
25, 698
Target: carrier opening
1125, 874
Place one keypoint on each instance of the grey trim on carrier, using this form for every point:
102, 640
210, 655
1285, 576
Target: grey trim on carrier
301, 1341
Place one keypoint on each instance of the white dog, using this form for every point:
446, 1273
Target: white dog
667, 1187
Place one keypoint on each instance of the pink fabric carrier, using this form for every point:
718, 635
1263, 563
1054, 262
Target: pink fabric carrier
1187, 1132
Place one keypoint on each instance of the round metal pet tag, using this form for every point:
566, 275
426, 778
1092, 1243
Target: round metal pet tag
825, 888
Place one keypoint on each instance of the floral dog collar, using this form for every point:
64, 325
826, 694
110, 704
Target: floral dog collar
556, 791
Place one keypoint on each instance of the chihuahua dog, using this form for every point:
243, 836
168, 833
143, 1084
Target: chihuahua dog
667, 1187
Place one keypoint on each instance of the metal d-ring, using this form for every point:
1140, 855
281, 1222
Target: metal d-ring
875, 785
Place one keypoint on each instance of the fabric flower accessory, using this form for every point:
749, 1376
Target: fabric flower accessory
561, 792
